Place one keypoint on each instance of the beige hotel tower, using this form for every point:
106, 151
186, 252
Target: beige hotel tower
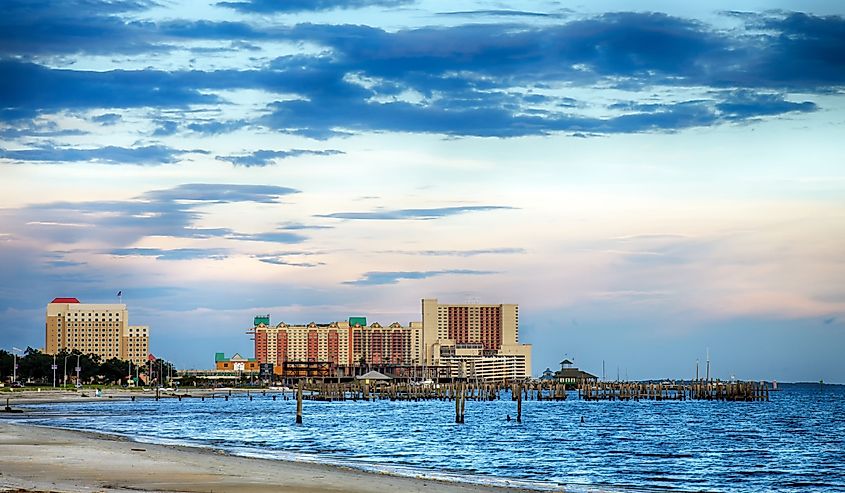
101, 329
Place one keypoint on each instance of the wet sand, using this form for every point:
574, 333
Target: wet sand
42, 459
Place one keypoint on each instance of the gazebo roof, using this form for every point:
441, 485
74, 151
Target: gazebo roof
373, 375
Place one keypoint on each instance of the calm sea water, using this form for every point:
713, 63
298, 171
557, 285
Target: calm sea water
796, 442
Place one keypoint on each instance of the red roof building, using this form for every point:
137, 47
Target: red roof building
65, 300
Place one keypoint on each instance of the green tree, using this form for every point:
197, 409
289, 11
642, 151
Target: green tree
35, 366
114, 370
6, 362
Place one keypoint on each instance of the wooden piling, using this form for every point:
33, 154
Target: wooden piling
299, 403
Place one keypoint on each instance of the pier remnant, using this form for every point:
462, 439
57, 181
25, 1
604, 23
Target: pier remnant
299, 403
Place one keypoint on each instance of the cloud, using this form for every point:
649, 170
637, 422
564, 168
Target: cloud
380, 278
172, 254
423, 214
265, 157
107, 119
73, 26
217, 128
271, 237
172, 212
221, 193
34, 128
27, 89
460, 253
301, 226
497, 13
742, 105
488, 80
281, 261
291, 6
148, 155
165, 128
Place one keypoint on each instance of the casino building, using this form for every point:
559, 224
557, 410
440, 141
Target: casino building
470, 340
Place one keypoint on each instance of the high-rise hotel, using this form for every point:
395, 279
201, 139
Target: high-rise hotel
101, 329
475, 340
470, 340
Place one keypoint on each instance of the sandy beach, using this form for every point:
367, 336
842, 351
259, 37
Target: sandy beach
44, 459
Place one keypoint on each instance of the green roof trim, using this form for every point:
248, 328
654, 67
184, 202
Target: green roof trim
262, 319
353, 321
219, 357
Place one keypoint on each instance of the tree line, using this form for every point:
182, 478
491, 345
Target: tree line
35, 367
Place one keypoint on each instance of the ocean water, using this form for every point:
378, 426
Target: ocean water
796, 442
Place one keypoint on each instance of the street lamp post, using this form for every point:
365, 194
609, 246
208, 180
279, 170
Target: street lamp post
64, 371
78, 369
15, 352
54, 367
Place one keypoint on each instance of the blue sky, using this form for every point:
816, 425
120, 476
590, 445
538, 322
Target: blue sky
646, 180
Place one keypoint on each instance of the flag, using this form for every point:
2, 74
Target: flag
119, 293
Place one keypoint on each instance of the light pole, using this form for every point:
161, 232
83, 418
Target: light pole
15, 352
64, 374
78, 368
54, 367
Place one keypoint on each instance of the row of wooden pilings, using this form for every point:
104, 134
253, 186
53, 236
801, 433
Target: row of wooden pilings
405, 391
667, 391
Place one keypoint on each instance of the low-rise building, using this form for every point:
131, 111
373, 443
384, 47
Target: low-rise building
235, 363
572, 376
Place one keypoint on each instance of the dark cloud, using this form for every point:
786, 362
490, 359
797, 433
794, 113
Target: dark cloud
33, 128
497, 13
27, 89
107, 119
265, 157
379, 278
165, 128
399, 214
471, 80
148, 155
290, 6
217, 128
742, 105
46, 27
172, 254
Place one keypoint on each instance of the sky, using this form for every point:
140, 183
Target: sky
647, 180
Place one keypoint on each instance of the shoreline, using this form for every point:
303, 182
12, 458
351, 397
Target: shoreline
41, 458
54, 459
